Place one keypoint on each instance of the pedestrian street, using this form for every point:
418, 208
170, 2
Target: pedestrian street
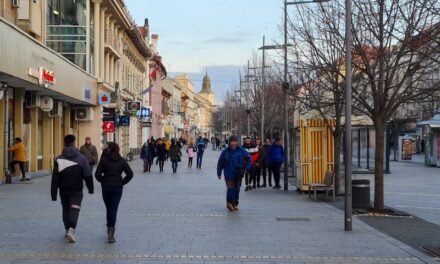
182, 218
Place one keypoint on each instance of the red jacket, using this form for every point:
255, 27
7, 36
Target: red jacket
254, 152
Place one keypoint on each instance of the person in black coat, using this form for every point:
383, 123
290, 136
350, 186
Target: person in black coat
109, 174
161, 153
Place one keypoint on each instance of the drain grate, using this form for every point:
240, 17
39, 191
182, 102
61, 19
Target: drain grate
433, 251
292, 219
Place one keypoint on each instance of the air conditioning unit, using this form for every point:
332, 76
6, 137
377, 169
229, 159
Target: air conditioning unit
83, 114
32, 100
57, 110
15, 3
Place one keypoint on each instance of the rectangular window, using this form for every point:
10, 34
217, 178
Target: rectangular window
67, 29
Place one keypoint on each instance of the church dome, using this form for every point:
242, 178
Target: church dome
206, 85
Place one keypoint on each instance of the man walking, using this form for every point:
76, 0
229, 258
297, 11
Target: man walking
89, 151
264, 164
233, 161
70, 169
200, 151
19, 158
275, 159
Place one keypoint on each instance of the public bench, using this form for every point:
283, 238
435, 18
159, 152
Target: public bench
328, 185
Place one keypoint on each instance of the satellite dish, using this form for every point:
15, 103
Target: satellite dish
46, 103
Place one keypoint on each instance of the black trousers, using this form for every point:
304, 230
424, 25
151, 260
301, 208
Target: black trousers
267, 174
174, 164
257, 175
233, 192
161, 163
111, 196
190, 162
276, 173
21, 165
71, 203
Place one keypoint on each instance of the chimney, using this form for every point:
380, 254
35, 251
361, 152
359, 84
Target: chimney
154, 39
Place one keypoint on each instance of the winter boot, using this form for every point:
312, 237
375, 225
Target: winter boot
111, 234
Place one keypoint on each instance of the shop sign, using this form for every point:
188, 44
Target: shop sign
133, 106
108, 126
124, 120
147, 124
104, 98
44, 76
108, 114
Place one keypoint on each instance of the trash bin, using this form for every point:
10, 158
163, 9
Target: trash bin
361, 193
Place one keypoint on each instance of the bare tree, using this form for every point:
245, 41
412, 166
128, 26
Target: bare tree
391, 63
318, 50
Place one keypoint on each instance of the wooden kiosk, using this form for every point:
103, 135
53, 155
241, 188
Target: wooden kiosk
314, 147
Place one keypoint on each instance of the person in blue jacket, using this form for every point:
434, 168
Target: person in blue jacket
275, 158
233, 161
201, 145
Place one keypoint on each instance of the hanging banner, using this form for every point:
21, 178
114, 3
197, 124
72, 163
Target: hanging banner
108, 127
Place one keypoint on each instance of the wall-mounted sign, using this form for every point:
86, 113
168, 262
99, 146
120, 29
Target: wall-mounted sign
46, 103
108, 127
133, 106
108, 114
146, 112
124, 120
44, 76
104, 98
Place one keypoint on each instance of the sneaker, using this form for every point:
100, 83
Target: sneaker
250, 187
246, 189
254, 187
22, 180
230, 207
70, 235
236, 208
27, 179
258, 186
263, 186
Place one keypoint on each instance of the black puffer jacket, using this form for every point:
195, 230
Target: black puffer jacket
110, 168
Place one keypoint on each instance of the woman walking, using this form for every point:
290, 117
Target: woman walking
161, 154
175, 154
109, 174
190, 150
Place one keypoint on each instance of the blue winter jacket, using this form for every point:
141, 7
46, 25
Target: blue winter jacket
275, 154
230, 160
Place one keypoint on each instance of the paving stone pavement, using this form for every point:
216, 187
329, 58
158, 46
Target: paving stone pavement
181, 218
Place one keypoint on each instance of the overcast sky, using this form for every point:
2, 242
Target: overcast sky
216, 34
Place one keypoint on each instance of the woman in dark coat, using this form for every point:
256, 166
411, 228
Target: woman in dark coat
161, 153
175, 154
109, 174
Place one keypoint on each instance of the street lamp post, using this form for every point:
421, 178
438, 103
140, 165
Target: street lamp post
348, 111
263, 92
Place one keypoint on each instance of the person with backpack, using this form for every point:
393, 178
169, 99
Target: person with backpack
201, 145
275, 159
191, 149
71, 168
233, 161
175, 154
109, 174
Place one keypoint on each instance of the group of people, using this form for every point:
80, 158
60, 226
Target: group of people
160, 150
251, 161
216, 143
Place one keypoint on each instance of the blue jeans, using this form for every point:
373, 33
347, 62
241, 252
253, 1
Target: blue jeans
199, 159
174, 164
111, 196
